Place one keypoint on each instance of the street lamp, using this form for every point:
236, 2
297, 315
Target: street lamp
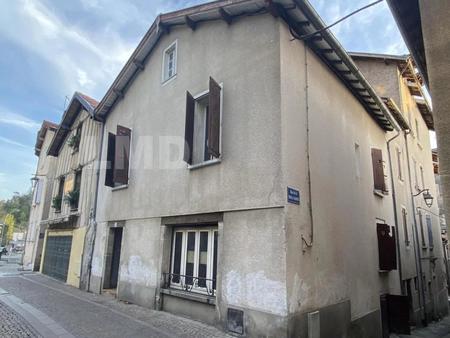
426, 196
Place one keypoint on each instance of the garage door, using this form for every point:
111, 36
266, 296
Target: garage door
57, 256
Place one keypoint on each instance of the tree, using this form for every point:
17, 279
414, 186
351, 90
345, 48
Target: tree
19, 207
10, 222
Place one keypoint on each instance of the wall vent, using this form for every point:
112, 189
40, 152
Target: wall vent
314, 324
235, 321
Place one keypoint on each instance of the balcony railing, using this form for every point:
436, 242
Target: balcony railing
189, 283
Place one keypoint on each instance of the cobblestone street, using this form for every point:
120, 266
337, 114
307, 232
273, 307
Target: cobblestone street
13, 325
33, 305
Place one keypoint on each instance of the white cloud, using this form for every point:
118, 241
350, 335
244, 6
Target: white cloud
12, 142
17, 120
82, 63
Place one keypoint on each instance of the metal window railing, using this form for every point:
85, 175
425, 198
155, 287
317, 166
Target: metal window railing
189, 283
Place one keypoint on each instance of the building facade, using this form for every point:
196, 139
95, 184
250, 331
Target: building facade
42, 189
244, 170
421, 252
222, 200
75, 148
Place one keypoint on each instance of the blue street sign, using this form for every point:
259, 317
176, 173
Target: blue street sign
293, 195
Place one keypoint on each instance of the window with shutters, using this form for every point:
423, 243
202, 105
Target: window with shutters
405, 225
203, 126
399, 164
194, 259
430, 231
387, 254
422, 230
378, 172
38, 191
118, 158
170, 62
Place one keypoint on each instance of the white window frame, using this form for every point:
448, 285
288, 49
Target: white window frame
165, 76
209, 267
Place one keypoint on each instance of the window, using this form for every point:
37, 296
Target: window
387, 253
430, 232
422, 177
170, 62
38, 191
194, 259
378, 170
203, 125
416, 180
417, 130
75, 193
399, 164
118, 157
405, 225
422, 232
57, 200
357, 161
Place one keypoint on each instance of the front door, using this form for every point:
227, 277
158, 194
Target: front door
113, 258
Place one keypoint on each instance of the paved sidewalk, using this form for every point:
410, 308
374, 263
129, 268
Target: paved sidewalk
439, 329
83, 314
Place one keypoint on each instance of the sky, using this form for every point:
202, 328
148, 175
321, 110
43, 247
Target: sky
51, 48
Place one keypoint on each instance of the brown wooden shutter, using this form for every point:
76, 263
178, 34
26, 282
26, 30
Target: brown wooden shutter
121, 160
214, 118
189, 128
387, 253
378, 170
109, 177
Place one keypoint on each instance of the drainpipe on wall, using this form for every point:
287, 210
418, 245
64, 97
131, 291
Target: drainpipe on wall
311, 234
418, 255
394, 202
94, 209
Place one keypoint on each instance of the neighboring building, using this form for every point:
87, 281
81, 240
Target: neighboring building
245, 179
41, 199
440, 200
75, 148
421, 253
426, 29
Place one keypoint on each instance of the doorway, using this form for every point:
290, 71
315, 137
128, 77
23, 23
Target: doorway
112, 260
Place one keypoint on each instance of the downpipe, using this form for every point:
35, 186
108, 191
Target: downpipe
418, 255
394, 202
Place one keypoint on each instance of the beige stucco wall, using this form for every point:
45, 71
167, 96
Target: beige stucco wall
419, 150
436, 29
45, 171
343, 261
156, 115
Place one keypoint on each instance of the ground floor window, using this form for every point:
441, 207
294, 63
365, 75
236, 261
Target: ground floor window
194, 259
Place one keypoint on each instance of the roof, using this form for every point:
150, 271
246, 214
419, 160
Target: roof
387, 57
298, 14
395, 111
46, 125
407, 15
414, 80
77, 102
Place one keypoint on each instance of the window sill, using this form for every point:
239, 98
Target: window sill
120, 187
204, 164
170, 79
196, 297
380, 193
